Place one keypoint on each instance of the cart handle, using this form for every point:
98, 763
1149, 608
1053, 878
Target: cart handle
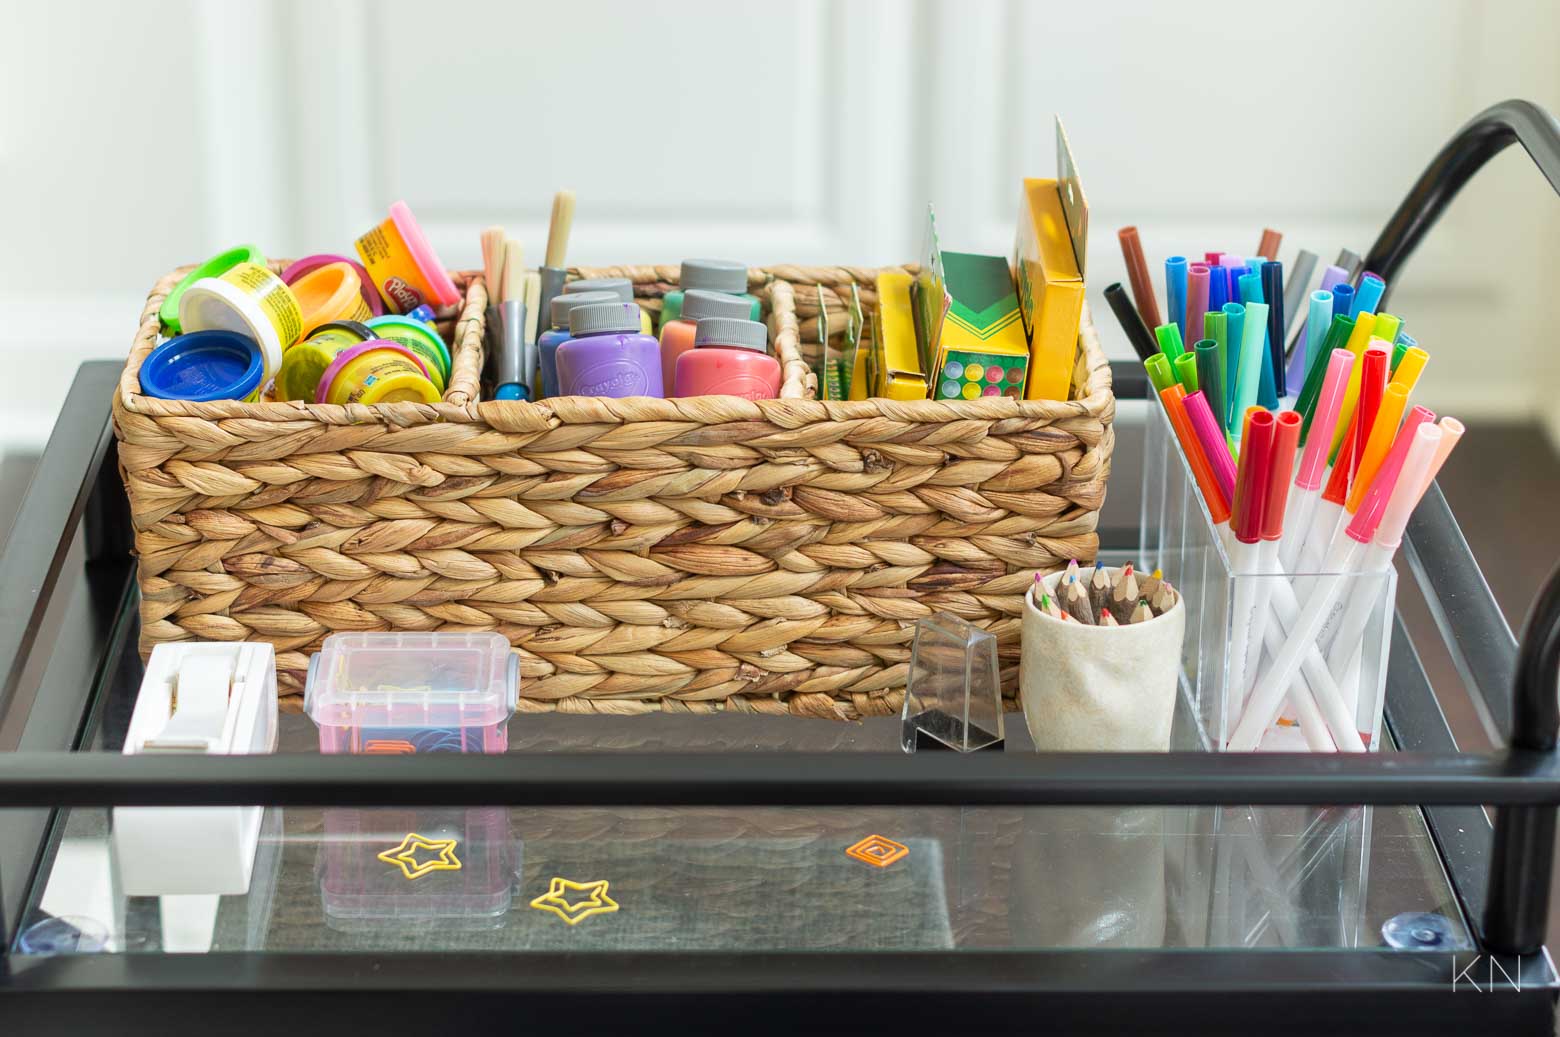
1481, 139
1522, 856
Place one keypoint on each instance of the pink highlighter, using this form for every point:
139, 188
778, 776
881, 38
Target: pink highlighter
729, 358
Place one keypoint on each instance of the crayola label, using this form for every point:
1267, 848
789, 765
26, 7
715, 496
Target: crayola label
275, 298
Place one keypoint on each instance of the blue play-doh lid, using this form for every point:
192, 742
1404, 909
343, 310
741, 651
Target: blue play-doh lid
202, 366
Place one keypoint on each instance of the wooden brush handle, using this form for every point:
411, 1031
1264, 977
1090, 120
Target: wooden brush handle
558, 229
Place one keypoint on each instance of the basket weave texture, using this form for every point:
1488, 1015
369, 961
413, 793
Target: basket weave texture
687, 555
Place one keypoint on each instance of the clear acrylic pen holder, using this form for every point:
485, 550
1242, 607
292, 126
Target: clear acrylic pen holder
1178, 536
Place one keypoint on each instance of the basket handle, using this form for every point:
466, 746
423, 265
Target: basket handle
1481, 139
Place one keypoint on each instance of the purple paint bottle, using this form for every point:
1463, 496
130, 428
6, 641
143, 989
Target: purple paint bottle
606, 355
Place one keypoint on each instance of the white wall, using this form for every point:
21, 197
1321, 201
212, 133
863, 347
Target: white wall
134, 137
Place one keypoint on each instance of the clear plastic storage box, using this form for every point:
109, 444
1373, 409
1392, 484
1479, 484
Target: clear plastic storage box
413, 693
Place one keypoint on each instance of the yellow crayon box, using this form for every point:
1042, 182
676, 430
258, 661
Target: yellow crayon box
896, 372
1048, 264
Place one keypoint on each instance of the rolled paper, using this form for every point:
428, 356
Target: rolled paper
1142, 342
1196, 301
1186, 371
1218, 291
1343, 299
1305, 340
1359, 338
1338, 333
1210, 373
1210, 435
1410, 366
1169, 337
1295, 281
1367, 295
1137, 276
1160, 376
1235, 322
1273, 295
1251, 292
1175, 292
1373, 383
1267, 248
1253, 331
1394, 401
1202, 471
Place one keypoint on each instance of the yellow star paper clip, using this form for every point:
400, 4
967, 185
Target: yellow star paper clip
556, 900
404, 856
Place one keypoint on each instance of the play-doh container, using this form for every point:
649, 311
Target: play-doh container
203, 366
376, 371
216, 266
308, 264
327, 294
402, 264
421, 339
305, 364
250, 300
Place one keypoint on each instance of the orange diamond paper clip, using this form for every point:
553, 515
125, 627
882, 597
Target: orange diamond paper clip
877, 851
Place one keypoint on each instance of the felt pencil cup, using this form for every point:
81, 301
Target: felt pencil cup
1093, 688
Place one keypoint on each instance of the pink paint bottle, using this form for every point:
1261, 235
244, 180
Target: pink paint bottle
729, 358
677, 335
606, 355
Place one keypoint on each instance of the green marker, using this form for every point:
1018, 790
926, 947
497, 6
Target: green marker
1159, 374
1169, 336
1186, 371
1337, 335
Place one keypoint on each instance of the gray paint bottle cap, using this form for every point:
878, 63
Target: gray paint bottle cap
563, 304
621, 286
714, 275
725, 331
603, 318
699, 304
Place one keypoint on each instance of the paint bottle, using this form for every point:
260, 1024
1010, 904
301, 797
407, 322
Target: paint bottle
607, 354
708, 275
622, 287
677, 335
729, 358
558, 333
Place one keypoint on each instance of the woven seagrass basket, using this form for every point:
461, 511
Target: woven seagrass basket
686, 555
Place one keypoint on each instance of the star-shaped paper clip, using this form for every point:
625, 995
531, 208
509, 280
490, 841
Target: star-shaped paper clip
557, 900
404, 856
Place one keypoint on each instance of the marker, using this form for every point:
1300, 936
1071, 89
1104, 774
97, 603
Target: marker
1294, 291
1234, 323
1132, 325
1389, 414
1210, 374
1308, 481
1196, 301
1275, 498
1202, 472
1175, 292
1359, 338
1273, 294
1408, 365
1251, 355
1186, 371
1256, 451
1210, 436
1343, 299
1303, 345
1218, 290
1169, 336
1160, 375
1137, 276
1251, 295
1368, 294
1338, 333
1373, 382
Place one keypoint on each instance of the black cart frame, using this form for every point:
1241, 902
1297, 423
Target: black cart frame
1501, 876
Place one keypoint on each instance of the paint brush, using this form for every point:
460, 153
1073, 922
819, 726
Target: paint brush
552, 273
510, 381
493, 280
